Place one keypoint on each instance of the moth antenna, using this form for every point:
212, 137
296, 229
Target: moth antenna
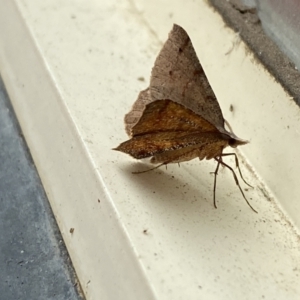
228, 125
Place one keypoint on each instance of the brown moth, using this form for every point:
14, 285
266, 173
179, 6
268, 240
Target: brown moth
178, 118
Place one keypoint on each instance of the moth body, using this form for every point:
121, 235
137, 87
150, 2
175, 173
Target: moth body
178, 118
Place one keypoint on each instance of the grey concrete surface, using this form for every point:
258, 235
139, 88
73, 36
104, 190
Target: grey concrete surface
254, 28
34, 263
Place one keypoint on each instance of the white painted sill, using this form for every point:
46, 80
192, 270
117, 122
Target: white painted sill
71, 70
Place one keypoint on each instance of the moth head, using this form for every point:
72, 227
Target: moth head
234, 142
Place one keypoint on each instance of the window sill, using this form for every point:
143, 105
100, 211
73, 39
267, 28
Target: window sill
72, 73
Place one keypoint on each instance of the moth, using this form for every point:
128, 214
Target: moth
178, 118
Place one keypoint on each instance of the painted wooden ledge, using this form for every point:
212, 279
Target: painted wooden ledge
72, 71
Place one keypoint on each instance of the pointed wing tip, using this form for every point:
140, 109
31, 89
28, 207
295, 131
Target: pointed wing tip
117, 148
177, 27
178, 30
123, 147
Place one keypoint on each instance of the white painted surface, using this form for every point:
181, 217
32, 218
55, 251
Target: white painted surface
72, 69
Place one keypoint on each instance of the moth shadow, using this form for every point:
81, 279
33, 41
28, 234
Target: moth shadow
187, 200
166, 186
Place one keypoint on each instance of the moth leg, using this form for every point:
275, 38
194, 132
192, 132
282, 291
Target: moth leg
173, 160
235, 178
237, 165
156, 167
215, 181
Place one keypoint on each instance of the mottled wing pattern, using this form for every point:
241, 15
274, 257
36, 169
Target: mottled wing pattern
169, 116
166, 127
169, 144
178, 75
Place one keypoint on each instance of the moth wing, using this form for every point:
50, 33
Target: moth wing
152, 144
178, 75
169, 116
137, 110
